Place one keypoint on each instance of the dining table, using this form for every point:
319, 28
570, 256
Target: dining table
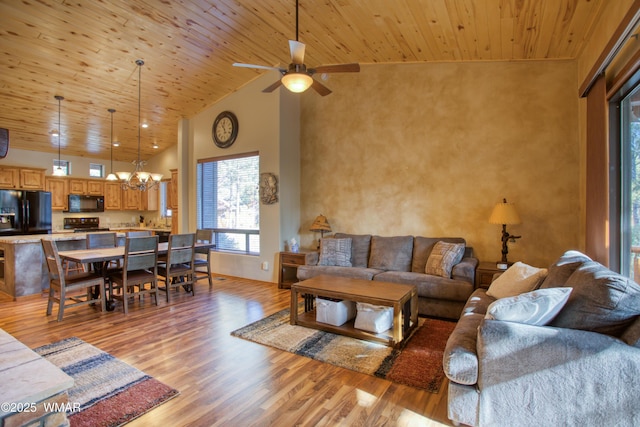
102, 256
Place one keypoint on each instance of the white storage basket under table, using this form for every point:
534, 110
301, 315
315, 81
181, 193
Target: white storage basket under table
400, 299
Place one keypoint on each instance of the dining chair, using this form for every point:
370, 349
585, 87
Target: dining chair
140, 233
101, 241
140, 267
64, 288
179, 267
202, 260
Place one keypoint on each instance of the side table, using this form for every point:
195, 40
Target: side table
484, 274
289, 263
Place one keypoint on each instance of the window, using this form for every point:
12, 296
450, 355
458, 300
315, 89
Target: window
96, 170
228, 201
630, 184
61, 164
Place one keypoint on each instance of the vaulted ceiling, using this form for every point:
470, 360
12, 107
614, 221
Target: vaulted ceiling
85, 51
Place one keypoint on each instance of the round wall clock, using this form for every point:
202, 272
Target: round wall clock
225, 129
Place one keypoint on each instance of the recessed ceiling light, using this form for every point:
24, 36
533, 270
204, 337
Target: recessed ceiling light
145, 125
116, 144
155, 146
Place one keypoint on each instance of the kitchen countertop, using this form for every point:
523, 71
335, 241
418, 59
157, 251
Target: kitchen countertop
67, 235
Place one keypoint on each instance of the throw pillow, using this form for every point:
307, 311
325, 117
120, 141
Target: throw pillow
443, 257
335, 252
538, 307
517, 279
360, 244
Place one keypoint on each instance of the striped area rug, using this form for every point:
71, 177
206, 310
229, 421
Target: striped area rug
107, 391
418, 364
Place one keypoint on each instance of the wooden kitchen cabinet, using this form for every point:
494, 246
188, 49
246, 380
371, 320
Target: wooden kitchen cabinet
151, 202
112, 196
59, 191
22, 178
77, 186
95, 187
32, 179
9, 178
131, 199
172, 193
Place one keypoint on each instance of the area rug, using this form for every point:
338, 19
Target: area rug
418, 364
107, 391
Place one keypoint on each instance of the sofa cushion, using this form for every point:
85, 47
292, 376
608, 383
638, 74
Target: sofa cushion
422, 247
632, 334
537, 307
335, 252
308, 271
443, 257
517, 279
360, 248
391, 253
561, 270
429, 286
602, 301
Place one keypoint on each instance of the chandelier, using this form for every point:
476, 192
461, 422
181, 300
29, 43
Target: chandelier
139, 179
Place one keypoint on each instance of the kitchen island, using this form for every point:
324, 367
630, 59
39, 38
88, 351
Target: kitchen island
25, 270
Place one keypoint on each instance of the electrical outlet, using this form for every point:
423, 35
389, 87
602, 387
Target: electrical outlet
265, 265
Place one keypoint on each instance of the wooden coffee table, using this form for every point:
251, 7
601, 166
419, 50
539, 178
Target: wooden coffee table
403, 299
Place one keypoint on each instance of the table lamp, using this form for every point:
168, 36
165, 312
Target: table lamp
320, 224
505, 213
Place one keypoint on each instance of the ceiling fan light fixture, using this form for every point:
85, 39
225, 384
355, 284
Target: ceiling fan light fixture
297, 82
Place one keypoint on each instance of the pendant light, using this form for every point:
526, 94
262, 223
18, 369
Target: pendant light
139, 179
59, 171
112, 176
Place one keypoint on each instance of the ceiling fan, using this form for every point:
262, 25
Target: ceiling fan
297, 77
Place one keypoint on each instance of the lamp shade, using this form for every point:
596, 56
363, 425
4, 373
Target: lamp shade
320, 224
297, 82
504, 213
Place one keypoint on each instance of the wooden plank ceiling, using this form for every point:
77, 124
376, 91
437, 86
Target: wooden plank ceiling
85, 51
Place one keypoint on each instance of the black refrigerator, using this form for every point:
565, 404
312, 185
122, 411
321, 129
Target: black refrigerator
25, 212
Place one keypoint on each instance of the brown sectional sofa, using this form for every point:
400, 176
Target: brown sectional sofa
402, 259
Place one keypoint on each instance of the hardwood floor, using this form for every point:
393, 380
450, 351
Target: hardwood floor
224, 380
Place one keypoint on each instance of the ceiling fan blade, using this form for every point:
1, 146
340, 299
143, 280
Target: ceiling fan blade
338, 68
320, 88
262, 67
297, 51
273, 87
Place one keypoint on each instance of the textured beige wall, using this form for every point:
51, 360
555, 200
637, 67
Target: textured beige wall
429, 149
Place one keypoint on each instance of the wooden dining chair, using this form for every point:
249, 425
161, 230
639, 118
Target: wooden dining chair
140, 267
202, 260
101, 241
140, 233
64, 290
179, 267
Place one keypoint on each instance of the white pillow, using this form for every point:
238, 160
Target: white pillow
538, 307
517, 279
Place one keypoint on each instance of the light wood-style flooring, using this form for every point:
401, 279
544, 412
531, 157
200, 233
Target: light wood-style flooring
224, 380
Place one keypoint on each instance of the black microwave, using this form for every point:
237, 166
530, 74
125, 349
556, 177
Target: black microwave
80, 203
